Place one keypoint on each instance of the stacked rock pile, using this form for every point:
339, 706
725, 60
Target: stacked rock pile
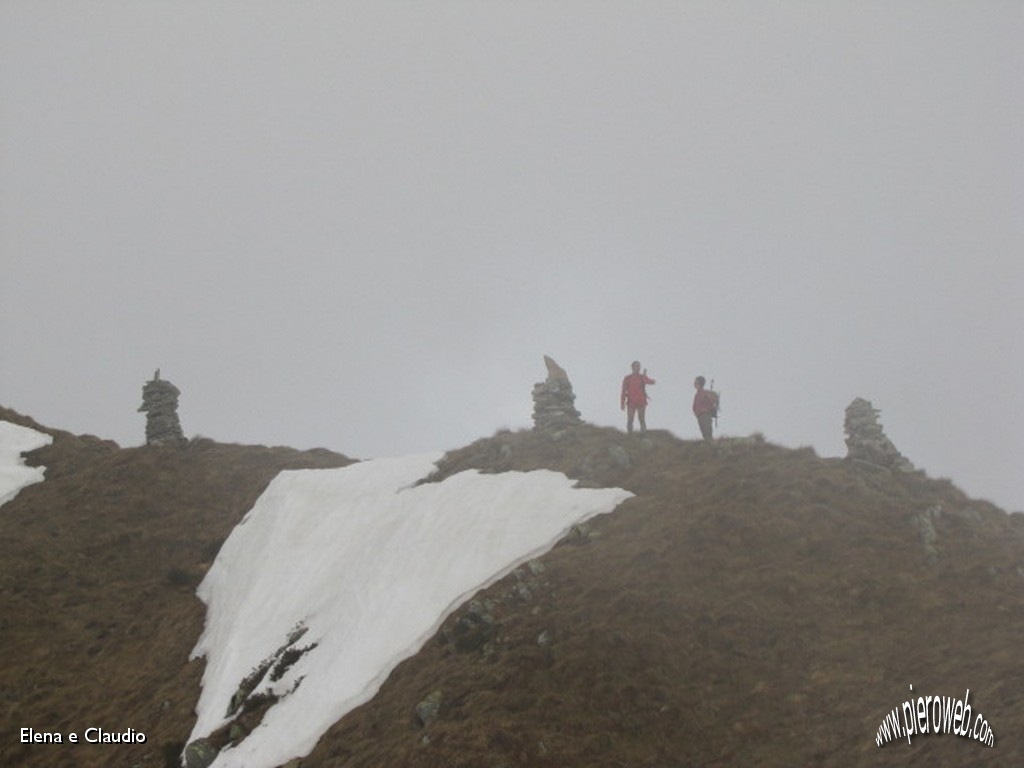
160, 403
865, 440
553, 400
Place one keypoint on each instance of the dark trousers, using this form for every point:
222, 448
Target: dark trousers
639, 411
704, 422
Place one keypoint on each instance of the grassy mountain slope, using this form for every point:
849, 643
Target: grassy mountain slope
752, 605
98, 569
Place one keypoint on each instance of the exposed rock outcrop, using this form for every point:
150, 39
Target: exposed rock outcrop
553, 400
160, 404
200, 754
866, 441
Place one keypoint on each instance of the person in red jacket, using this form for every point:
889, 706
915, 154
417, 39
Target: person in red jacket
705, 407
633, 399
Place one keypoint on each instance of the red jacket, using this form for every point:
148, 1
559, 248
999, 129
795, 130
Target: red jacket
704, 401
634, 389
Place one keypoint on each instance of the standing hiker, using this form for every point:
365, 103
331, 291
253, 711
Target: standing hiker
633, 399
705, 406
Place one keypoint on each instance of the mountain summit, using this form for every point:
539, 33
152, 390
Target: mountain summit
748, 605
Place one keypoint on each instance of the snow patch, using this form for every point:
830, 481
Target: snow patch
16, 440
369, 565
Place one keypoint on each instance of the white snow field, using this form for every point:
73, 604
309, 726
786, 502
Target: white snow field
14, 475
370, 566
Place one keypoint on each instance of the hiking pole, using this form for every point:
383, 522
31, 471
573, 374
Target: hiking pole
716, 402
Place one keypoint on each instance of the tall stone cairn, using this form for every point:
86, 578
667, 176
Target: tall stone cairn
160, 403
865, 440
553, 400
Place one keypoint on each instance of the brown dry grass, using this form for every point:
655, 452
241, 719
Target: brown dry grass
752, 605
98, 569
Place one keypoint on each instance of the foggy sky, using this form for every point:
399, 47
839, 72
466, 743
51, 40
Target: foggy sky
361, 225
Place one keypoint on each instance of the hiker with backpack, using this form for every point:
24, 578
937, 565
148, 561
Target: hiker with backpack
705, 407
633, 399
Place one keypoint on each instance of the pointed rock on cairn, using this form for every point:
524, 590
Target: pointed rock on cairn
160, 402
553, 400
865, 440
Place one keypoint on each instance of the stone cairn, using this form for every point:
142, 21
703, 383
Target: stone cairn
160, 402
867, 443
553, 400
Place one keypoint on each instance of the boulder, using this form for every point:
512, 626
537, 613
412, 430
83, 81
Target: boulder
200, 754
